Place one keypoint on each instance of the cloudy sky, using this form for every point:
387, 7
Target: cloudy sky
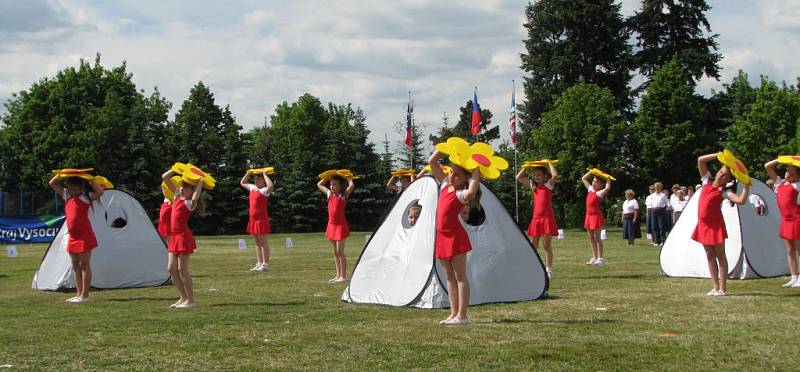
257, 54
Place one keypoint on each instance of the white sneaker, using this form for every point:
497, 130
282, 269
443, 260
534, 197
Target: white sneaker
263, 267
549, 273
79, 300
186, 305
599, 262
257, 267
790, 283
591, 262
712, 292
796, 284
721, 293
74, 297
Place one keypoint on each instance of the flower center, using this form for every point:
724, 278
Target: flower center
198, 172
482, 160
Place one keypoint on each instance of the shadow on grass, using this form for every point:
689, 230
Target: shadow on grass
293, 303
762, 294
3, 276
131, 299
623, 276
550, 321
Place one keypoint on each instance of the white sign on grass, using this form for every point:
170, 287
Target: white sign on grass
289, 243
560, 234
242, 244
11, 250
603, 235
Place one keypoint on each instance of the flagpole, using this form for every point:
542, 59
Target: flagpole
516, 184
411, 114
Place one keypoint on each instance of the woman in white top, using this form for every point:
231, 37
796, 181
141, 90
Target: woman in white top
678, 203
659, 205
630, 218
648, 204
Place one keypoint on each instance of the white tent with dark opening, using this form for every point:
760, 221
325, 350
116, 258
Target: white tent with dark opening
753, 247
397, 266
129, 252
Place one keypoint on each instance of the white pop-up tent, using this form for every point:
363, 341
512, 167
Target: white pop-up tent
129, 252
397, 266
753, 247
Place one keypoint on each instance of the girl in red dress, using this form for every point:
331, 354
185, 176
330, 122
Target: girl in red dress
259, 225
594, 221
788, 190
338, 229
452, 242
81, 239
182, 244
543, 220
710, 230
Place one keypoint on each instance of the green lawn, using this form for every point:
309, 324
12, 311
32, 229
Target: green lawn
623, 315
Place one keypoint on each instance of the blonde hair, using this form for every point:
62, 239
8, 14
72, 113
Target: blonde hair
630, 192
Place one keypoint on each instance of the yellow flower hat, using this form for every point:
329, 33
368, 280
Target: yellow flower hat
792, 160
445, 169
539, 163
176, 181
267, 170
103, 182
192, 175
601, 174
478, 155
738, 169
346, 173
404, 172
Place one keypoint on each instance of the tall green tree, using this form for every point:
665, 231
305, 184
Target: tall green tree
669, 133
768, 128
584, 129
208, 136
675, 28
570, 42
417, 149
84, 116
463, 127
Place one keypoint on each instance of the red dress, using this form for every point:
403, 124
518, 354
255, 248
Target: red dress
451, 238
710, 228
259, 215
164, 219
594, 216
338, 228
81, 236
182, 242
543, 220
790, 211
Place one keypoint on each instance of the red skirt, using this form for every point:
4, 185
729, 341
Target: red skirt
709, 235
337, 232
541, 226
594, 222
451, 243
182, 244
259, 227
790, 230
78, 246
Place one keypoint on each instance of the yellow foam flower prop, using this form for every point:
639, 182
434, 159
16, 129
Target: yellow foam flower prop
176, 181
103, 182
489, 164
404, 172
539, 163
192, 175
445, 169
601, 174
267, 170
346, 173
738, 169
792, 160
458, 151
66, 171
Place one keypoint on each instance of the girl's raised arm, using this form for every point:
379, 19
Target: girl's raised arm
770, 167
55, 184
702, 163
436, 169
322, 188
585, 180
270, 184
243, 182
350, 187
166, 178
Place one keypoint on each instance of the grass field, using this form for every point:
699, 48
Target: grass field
618, 317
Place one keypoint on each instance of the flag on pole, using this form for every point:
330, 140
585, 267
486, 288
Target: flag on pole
476, 113
409, 109
512, 120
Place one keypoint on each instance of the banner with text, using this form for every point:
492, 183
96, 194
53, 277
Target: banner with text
29, 229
